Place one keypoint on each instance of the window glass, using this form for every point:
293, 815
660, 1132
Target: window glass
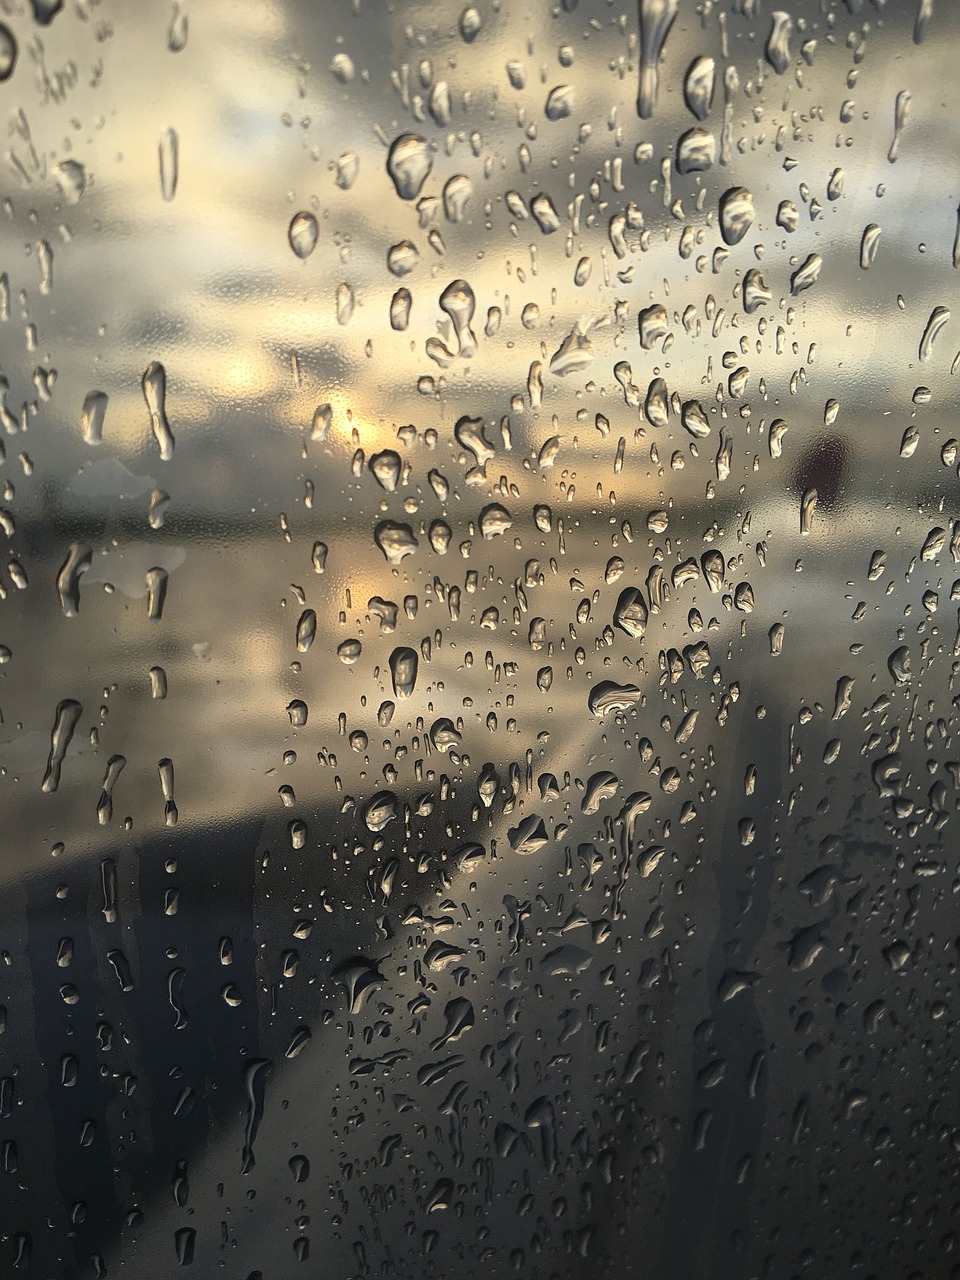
479, 624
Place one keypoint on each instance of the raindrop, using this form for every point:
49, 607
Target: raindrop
303, 234
409, 163
698, 86
154, 383
656, 19
169, 163
736, 214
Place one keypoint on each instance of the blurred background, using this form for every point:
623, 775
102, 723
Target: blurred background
479, 636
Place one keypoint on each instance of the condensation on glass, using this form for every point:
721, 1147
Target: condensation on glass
479, 621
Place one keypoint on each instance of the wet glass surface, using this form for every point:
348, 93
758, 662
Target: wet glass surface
479, 629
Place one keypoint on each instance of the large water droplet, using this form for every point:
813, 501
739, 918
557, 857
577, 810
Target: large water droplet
302, 234
736, 214
409, 163
154, 383
656, 19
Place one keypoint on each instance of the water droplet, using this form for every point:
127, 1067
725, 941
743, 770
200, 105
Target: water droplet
656, 405
78, 561
44, 11
156, 580
459, 303
154, 384
444, 735
8, 52
630, 614
402, 258
653, 324
303, 233
696, 151
545, 214
529, 836
807, 274
255, 1075
360, 977
185, 1239
600, 786
346, 301
71, 179
787, 215
938, 318
901, 110
559, 102
610, 696
777, 48
386, 467
409, 163
698, 86
115, 767
841, 702
169, 163
457, 194
92, 417
755, 292
922, 20
395, 540
65, 722
404, 664
898, 664
933, 544
495, 520
736, 214
808, 505
400, 305
306, 630
694, 419
342, 68
178, 31
470, 24
869, 244
656, 19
